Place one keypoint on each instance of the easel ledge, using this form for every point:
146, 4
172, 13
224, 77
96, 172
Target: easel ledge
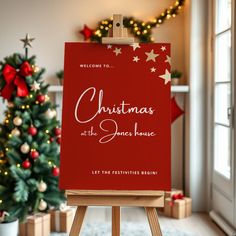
115, 198
150, 193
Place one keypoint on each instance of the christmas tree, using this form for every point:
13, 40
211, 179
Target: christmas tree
29, 139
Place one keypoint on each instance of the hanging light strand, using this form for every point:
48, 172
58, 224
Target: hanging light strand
140, 29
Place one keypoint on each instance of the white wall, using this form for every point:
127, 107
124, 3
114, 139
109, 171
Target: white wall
52, 22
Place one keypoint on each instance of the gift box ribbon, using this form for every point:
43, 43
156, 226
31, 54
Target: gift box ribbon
178, 196
57, 221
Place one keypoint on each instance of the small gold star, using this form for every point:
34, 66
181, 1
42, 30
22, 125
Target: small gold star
35, 86
117, 51
27, 41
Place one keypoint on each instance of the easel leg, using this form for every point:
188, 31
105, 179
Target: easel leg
78, 220
153, 221
116, 221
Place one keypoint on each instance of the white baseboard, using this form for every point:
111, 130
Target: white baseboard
230, 231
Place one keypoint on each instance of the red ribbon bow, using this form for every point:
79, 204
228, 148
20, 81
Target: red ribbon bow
178, 196
15, 78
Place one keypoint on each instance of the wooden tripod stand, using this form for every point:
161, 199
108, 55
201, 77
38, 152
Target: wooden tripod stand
84, 198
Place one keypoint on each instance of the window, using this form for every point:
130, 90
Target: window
222, 89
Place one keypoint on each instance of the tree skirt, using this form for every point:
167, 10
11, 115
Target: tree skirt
127, 229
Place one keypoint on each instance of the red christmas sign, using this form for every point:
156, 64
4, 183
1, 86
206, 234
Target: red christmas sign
116, 117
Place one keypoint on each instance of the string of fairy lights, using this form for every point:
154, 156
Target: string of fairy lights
140, 29
8, 118
3, 154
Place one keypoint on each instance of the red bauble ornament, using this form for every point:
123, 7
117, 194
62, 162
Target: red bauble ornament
51, 139
86, 32
59, 140
55, 171
32, 131
57, 131
34, 154
26, 164
40, 98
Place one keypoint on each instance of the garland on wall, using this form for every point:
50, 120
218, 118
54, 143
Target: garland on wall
140, 29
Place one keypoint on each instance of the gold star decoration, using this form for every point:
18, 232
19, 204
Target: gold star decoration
151, 56
136, 59
168, 59
166, 76
117, 51
135, 46
27, 41
35, 86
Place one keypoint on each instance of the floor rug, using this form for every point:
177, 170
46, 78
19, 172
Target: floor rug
127, 229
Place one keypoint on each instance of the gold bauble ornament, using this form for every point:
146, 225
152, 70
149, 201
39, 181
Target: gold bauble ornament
2, 158
1, 154
17, 121
3, 161
15, 132
55, 113
50, 113
25, 148
42, 187
47, 98
10, 104
42, 205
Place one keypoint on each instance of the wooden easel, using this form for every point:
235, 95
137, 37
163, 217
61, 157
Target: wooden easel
118, 34
150, 200
84, 198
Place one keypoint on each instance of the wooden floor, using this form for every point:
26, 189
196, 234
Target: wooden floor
199, 223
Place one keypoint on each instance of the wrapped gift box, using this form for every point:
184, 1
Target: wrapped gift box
46, 226
36, 225
179, 208
61, 221
168, 205
169, 194
188, 206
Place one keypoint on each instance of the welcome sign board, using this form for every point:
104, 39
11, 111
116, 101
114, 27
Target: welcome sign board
116, 117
